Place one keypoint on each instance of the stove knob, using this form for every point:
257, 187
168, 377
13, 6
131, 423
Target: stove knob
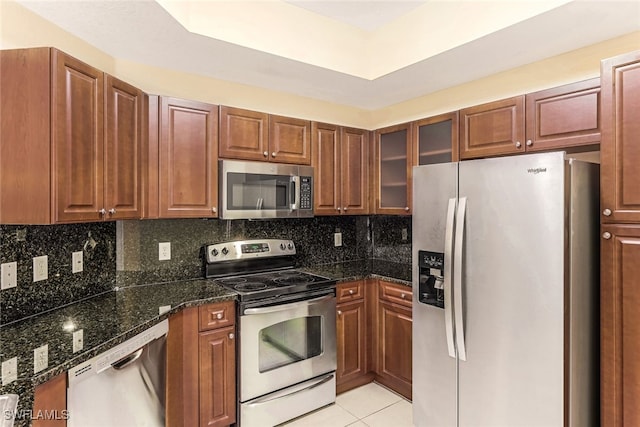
214, 252
283, 246
290, 246
225, 251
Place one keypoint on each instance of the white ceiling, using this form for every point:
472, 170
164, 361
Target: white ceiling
144, 32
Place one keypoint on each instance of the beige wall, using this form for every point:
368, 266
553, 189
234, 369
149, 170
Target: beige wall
21, 28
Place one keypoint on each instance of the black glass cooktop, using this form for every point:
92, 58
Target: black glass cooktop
274, 283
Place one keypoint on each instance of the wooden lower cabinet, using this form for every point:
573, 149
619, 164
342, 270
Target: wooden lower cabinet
620, 326
201, 368
352, 341
394, 344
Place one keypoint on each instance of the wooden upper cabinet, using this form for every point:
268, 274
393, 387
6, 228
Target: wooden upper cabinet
340, 160
563, 117
71, 138
435, 139
123, 144
620, 148
78, 139
289, 140
251, 135
392, 169
492, 129
188, 159
620, 326
243, 134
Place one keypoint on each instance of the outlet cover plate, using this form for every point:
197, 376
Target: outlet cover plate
40, 268
77, 262
40, 358
9, 275
9, 371
78, 340
337, 239
164, 251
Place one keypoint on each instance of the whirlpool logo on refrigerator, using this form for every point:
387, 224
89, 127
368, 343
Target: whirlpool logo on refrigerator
536, 171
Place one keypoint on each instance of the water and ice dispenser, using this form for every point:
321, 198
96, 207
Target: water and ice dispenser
431, 284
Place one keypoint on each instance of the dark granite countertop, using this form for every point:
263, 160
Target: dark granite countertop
113, 317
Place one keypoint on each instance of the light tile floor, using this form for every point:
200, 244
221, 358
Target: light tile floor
370, 405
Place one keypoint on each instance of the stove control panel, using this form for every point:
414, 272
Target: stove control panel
247, 249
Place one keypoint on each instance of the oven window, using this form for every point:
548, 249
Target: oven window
249, 191
289, 342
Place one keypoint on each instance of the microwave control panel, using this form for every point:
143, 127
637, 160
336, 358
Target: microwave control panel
306, 192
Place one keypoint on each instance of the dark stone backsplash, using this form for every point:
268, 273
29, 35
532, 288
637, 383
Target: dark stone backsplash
126, 253
21, 244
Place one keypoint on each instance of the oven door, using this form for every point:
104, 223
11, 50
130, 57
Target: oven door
286, 344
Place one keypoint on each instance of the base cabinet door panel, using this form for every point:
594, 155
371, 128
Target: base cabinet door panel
395, 347
350, 347
620, 326
217, 377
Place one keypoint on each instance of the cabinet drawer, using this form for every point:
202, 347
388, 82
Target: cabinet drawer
350, 291
217, 315
394, 293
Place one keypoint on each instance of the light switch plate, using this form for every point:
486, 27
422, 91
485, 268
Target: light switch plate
337, 239
40, 268
9, 275
9, 371
78, 340
77, 262
405, 234
40, 358
164, 251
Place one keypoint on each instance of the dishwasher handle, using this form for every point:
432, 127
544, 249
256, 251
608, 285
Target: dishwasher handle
127, 360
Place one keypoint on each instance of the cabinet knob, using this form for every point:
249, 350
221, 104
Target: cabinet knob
219, 316
406, 208
273, 154
606, 235
231, 336
518, 145
102, 212
338, 208
529, 143
403, 295
350, 291
112, 211
214, 209
344, 209
265, 153
606, 212
339, 313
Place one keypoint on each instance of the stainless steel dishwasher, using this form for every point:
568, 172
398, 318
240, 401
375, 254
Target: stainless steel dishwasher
124, 386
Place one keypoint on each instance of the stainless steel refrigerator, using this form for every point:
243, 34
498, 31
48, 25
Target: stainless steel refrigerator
505, 292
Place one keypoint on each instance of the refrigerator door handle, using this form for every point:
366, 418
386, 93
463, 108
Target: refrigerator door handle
448, 274
457, 278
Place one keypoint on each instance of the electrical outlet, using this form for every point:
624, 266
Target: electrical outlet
78, 340
405, 234
77, 262
163, 309
40, 268
337, 239
9, 275
40, 358
164, 251
9, 371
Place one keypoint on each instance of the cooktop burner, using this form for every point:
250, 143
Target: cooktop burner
260, 269
273, 283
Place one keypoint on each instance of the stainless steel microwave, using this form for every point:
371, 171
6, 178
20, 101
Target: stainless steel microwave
264, 190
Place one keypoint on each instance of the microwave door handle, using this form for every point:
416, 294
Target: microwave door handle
295, 192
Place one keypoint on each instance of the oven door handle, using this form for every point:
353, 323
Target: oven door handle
298, 389
283, 307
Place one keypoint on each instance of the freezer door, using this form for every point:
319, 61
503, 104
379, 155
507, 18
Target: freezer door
513, 286
434, 370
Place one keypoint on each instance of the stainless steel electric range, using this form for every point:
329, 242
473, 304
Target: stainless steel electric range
287, 329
